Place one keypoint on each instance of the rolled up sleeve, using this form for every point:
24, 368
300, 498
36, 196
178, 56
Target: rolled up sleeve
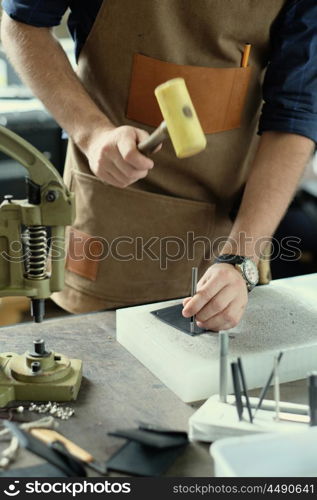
290, 84
40, 13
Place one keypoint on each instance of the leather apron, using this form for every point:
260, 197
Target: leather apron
138, 245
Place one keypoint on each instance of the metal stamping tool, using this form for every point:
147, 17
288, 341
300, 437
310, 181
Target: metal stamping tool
237, 389
223, 375
193, 292
276, 389
267, 385
312, 397
245, 389
180, 123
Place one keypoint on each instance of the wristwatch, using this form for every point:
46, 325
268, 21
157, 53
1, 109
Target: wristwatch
244, 265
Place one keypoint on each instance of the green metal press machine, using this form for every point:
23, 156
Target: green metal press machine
32, 248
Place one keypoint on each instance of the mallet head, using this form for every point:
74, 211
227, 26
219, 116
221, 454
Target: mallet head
180, 117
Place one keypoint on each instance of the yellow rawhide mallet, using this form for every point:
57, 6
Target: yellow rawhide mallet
180, 123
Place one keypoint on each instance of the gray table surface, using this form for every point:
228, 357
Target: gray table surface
117, 391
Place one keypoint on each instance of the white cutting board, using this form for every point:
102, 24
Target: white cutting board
279, 316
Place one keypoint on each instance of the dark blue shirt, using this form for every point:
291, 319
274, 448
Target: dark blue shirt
290, 84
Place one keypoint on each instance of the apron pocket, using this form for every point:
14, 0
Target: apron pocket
133, 246
218, 94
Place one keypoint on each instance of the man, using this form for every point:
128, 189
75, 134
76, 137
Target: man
128, 209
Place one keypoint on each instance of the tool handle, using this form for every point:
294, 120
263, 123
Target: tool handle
223, 365
148, 145
49, 436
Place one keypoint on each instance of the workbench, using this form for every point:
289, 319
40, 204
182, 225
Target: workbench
117, 391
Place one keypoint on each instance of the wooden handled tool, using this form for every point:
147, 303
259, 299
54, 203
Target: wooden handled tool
52, 437
49, 436
180, 123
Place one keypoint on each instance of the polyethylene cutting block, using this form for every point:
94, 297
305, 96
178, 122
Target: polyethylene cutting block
279, 316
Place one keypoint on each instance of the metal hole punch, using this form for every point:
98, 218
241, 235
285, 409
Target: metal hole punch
193, 292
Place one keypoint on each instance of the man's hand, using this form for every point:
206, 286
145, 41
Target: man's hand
113, 156
39, 58
220, 300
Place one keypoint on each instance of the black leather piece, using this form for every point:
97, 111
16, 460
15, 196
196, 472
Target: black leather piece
150, 451
139, 460
155, 439
156, 428
75, 465
173, 316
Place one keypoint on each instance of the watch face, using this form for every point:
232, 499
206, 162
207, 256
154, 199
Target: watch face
251, 272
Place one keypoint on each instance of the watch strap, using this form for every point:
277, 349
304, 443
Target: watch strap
229, 259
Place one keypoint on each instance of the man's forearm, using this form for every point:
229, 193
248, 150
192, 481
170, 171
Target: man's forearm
43, 65
279, 163
111, 151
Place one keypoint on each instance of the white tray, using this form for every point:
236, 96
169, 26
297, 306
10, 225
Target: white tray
292, 454
216, 420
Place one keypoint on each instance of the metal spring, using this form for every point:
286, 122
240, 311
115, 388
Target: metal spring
35, 238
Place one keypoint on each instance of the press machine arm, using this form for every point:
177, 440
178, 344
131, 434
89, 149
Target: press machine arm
26, 224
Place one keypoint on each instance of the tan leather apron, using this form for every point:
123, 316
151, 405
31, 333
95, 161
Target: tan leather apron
137, 245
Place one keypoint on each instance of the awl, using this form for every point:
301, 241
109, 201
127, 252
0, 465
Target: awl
50, 436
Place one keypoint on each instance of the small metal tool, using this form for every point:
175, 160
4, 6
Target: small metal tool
237, 389
245, 389
193, 292
223, 366
276, 389
312, 398
267, 385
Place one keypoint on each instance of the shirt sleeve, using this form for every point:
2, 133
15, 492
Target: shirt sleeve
41, 13
290, 84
